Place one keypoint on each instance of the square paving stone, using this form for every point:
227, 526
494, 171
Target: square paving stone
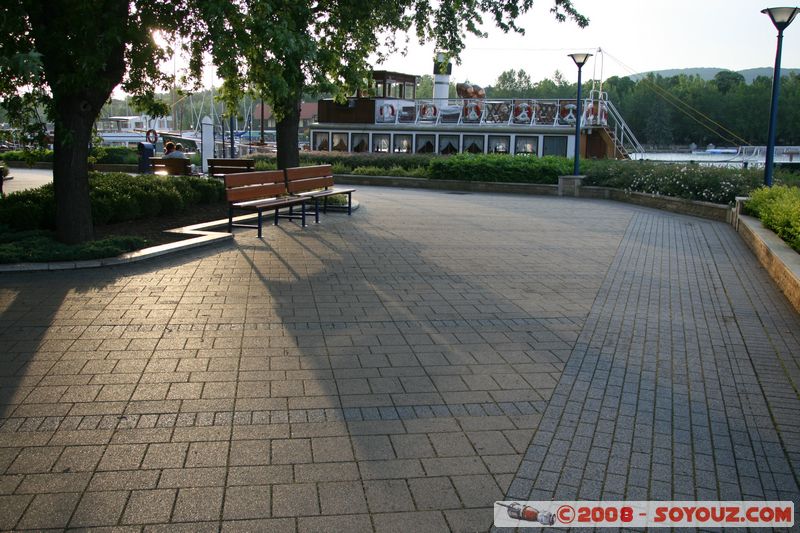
198, 504
342, 498
99, 509
149, 506
299, 499
247, 502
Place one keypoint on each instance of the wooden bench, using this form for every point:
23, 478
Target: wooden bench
259, 192
316, 183
171, 166
220, 167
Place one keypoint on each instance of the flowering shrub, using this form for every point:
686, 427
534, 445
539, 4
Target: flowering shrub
778, 207
694, 182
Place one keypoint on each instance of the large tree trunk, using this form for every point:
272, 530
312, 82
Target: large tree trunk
73, 131
286, 132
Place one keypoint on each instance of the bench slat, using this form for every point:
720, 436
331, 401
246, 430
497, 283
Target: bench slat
253, 178
310, 184
255, 192
298, 173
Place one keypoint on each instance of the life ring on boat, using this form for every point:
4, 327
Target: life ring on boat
387, 110
472, 111
428, 111
151, 136
522, 110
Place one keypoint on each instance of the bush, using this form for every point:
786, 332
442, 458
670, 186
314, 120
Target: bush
119, 155
778, 207
29, 156
500, 168
115, 197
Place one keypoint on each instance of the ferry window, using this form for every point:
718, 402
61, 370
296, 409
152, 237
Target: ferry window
410, 91
555, 145
321, 141
426, 144
379, 89
499, 144
380, 143
360, 142
340, 142
473, 144
448, 144
524, 144
396, 88
402, 144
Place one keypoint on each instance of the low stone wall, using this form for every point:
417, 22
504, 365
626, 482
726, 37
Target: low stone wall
23, 164
676, 205
778, 259
100, 167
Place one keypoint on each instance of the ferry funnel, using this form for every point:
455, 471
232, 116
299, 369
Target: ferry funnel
442, 68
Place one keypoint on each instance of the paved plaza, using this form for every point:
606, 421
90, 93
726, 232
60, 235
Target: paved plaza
400, 370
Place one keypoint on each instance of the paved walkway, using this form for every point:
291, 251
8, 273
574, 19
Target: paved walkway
399, 370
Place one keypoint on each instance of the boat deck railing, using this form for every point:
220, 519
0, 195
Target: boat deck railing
486, 111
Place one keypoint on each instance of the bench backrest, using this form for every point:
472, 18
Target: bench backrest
303, 179
246, 186
173, 166
230, 166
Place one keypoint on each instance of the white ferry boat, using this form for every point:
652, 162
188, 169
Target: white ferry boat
393, 120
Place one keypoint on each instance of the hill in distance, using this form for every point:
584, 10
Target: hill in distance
708, 73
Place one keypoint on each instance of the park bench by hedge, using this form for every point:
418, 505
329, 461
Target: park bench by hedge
171, 166
316, 183
220, 167
259, 192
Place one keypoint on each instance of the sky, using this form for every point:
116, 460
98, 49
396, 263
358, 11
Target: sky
635, 36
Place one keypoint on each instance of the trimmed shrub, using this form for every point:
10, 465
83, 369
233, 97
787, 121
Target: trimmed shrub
500, 168
778, 207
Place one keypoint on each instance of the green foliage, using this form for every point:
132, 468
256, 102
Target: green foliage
115, 197
120, 155
40, 245
29, 209
418, 172
28, 156
501, 168
778, 207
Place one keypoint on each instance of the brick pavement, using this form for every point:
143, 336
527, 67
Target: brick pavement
387, 372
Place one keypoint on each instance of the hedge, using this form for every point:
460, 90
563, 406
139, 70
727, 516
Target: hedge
115, 197
500, 168
778, 207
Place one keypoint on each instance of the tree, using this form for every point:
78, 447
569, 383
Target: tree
513, 84
70, 55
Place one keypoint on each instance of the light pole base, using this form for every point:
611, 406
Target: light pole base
570, 185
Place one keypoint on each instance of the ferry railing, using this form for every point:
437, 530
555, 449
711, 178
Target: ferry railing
485, 111
622, 134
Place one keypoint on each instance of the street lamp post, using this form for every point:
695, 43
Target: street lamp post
580, 60
781, 17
